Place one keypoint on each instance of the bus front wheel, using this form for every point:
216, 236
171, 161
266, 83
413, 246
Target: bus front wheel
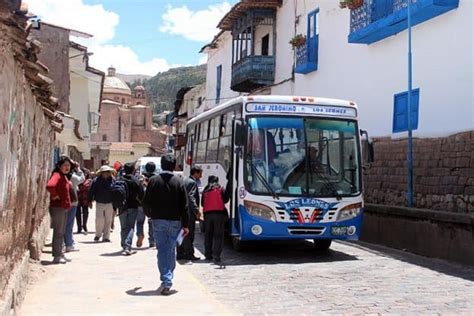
237, 244
322, 244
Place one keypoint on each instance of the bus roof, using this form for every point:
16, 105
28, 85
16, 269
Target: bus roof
275, 99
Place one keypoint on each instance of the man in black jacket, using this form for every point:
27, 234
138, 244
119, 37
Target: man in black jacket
191, 184
128, 216
165, 203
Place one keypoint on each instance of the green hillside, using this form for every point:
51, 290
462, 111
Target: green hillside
162, 88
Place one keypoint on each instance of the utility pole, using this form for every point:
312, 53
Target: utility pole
410, 136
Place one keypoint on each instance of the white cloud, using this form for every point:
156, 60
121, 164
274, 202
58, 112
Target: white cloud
92, 19
96, 20
125, 60
194, 25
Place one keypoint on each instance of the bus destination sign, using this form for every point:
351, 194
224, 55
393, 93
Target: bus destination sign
302, 108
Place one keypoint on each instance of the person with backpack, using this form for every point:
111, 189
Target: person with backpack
128, 214
213, 202
82, 213
101, 192
165, 203
150, 171
59, 188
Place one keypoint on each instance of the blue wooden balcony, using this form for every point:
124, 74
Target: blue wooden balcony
379, 19
253, 72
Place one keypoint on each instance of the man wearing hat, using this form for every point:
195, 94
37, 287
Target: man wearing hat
101, 193
128, 216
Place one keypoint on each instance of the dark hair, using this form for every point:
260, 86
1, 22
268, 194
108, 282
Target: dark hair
129, 167
168, 162
196, 169
63, 159
212, 179
150, 167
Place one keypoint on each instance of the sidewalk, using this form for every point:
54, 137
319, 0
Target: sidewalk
100, 280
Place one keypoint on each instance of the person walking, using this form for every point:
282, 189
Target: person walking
59, 188
128, 215
165, 203
150, 169
214, 198
76, 176
101, 193
191, 184
82, 213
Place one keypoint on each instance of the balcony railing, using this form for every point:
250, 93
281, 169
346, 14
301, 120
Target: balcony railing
253, 72
379, 19
303, 63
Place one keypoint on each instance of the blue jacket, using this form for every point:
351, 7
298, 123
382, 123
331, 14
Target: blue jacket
100, 190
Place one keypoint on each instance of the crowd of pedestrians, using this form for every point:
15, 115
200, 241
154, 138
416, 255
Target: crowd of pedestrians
171, 204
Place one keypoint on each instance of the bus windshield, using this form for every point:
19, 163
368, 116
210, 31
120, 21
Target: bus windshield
293, 156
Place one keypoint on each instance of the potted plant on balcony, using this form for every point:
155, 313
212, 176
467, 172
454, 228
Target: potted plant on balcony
298, 40
351, 4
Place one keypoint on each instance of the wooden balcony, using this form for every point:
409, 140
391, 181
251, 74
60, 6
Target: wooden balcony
253, 72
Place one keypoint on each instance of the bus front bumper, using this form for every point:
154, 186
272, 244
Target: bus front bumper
255, 228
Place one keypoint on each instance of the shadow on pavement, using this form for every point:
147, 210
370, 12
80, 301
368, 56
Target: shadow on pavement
90, 242
47, 262
135, 292
112, 254
439, 265
274, 252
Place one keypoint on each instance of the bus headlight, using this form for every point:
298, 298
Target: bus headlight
349, 211
260, 210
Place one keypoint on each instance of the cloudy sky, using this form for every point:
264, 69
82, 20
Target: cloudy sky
138, 36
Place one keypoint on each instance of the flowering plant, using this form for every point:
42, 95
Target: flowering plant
351, 4
298, 40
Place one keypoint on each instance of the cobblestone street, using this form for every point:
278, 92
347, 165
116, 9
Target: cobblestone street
279, 278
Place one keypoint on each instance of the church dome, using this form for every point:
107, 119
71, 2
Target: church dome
141, 88
113, 84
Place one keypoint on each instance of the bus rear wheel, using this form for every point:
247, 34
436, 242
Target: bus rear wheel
322, 244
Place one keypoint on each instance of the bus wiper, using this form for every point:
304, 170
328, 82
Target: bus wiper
263, 180
328, 183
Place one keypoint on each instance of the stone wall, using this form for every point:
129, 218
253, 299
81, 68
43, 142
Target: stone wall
26, 149
443, 173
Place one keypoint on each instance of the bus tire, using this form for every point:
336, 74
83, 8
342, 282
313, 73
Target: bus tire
322, 244
237, 244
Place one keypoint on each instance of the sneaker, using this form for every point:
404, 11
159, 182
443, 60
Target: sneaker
58, 260
166, 291
106, 240
84, 233
140, 241
71, 249
66, 259
96, 238
85, 228
152, 245
124, 252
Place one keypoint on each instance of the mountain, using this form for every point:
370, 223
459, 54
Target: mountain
162, 88
132, 78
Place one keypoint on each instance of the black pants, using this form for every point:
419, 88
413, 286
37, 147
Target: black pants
186, 250
82, 214
214, 226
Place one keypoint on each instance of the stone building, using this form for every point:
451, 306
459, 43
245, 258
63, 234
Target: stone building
28, 122
125, 118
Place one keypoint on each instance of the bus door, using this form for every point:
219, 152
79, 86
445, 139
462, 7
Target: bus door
237, 155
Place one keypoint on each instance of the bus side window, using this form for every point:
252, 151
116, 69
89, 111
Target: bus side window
225, 141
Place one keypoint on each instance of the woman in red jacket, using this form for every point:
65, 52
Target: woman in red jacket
59, 189
213, 202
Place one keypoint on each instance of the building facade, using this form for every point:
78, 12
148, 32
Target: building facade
125, 117
361, 55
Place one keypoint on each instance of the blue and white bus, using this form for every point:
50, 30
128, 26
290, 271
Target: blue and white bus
295, 164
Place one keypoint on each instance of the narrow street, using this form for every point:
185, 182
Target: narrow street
278, 278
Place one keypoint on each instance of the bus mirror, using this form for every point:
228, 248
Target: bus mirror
240, 133
369, 147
